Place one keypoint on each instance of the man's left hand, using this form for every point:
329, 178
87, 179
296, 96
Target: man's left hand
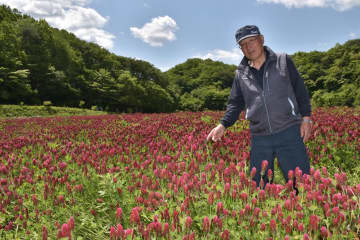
305, 128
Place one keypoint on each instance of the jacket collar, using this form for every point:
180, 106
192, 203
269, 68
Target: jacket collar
270, 54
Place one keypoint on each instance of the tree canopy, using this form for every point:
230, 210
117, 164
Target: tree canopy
39, 63
332, 77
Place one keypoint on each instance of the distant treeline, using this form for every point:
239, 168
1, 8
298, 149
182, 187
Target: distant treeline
39, 63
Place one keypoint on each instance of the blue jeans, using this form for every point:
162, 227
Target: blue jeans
287, 146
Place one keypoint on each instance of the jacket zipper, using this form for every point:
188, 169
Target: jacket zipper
267, 111
263, 95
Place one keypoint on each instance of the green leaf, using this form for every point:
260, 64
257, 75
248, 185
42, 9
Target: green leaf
313, 208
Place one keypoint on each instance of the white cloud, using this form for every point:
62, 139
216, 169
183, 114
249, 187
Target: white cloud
164, 68
231, 57
71, 15
339, 5
352, 35
97, 35
156, 32
78, 18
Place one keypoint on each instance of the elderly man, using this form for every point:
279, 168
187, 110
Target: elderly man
277, 104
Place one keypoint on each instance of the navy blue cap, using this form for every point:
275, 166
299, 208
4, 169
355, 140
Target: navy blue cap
246, 31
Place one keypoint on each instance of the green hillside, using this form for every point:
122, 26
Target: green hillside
39, 63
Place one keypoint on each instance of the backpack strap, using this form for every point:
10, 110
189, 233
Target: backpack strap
281, 63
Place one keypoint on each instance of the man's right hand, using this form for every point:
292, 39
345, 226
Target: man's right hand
216, 133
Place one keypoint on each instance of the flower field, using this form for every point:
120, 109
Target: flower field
154, 176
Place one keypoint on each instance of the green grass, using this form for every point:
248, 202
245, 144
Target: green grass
12, 111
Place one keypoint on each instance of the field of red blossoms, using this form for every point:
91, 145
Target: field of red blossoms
154, 176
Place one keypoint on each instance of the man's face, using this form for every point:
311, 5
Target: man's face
252, 47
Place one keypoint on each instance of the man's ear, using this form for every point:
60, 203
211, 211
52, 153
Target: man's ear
262, 39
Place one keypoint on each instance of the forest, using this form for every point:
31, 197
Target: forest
40, 64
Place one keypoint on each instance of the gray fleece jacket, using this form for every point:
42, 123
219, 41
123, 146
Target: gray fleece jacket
270, 108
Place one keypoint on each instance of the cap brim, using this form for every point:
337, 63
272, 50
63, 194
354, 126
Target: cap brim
251, 35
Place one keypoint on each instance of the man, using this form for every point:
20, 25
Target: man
277, 105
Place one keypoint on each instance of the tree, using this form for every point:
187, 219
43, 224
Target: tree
157, 99
201, 84
58, 90
14, 77
14, 86
35, 41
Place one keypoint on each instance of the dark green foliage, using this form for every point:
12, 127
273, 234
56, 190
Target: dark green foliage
39, 63
346, 95
332, 77
14, 76
201, 84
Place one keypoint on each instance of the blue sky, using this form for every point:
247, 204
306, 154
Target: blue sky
166, 33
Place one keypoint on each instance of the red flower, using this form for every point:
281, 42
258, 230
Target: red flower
324, 232
113, 234
234, 193
128, 232
314, 221
120, 231
306, 237
324, 171
256, 212
166, 229
270, 174
211, 198
262, 195
336, 210
66, 230
79, 188
273, 225
44, 233
247, 208
253, 172
291, 174
206, 224
254, 201
225, 235
62, 166
301, 227
71, 223
288, 205
220, 208
61, 198
298, 173
188, 222
134, 216
118, 214
93, 212
227, 187
34, 199
244, 196
175, 216
264, 166
165, 215
317, 175
262, 227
